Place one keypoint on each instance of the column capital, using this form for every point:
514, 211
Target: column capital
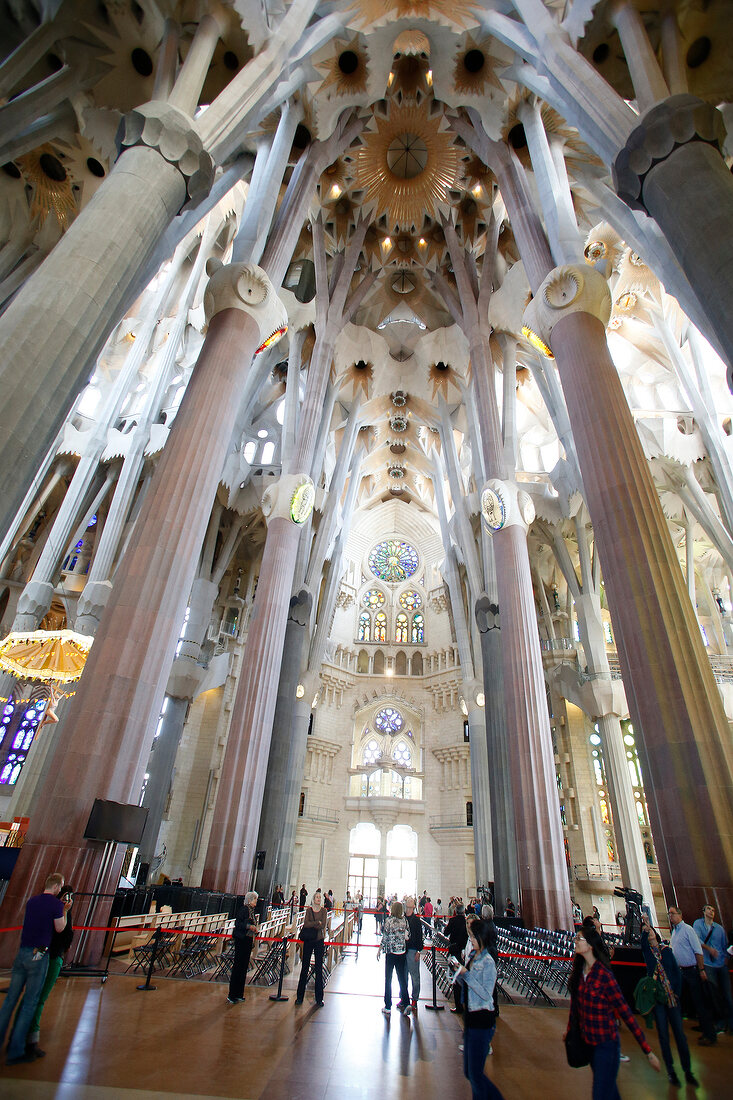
571, 288
245, 287
173, 134
290, 497
673, 122
504, 504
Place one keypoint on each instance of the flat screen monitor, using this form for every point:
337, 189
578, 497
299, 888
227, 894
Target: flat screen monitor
116, 821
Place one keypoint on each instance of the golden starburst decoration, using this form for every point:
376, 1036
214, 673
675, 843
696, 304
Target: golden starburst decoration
45, 170
346, 71
440, 375
475, 68
359, 376
406, 165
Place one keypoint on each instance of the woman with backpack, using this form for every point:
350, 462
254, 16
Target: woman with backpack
394, 944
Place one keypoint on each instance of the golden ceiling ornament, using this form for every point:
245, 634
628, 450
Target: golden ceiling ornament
345, 72
475, 68
454, 13
412, 41
406, 165
334, 180
51, 183
474, 173
440, 375
635, 276
340, 217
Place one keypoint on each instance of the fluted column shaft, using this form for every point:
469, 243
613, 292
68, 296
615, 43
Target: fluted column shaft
59, 320
234, 830
480, 794
684, 737
545, 896
112, 716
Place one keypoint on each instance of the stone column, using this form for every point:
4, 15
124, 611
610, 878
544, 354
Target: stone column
501, 801
683, 732
545, 896
672, 168
287, 747
113, 714
480, 795
59, 320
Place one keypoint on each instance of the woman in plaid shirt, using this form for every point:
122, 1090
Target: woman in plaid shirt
597, 996
394, 944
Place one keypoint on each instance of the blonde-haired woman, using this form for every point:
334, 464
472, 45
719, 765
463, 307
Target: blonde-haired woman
394, 945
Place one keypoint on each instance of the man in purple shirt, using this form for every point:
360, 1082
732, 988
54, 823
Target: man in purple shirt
44, 913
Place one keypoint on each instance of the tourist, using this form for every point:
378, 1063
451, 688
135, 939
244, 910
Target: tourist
478, 979
688, 953
303, 897
457, 935
278, 898
394, 944
313, 936
415, 945
509, 908
662, 966
44, 915
244, 935
428, 911
359, 912
60, 944
328, 901
438, 915
597, 998
714, 945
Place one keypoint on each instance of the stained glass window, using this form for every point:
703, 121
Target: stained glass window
372, 752
373, 599
401, 629
365, 627
396, 785
410, 600
418, 628
18, 727
393, 560
380, 627
389, 720
402, 755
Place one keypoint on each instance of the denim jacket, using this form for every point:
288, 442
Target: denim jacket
480, 981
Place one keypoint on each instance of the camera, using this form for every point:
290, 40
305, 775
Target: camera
632, 925
629, 894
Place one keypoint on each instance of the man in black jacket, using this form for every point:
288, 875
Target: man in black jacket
244, 936
457, 935
414, 947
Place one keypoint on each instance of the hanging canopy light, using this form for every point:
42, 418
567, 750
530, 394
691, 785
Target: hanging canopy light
57, 656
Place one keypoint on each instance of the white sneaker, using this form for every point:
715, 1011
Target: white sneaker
625, 1058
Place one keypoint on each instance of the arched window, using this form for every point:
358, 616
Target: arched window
401, 629
372, 752
395, 785
373, 599
401, 754
410, 600
388, 720
362, 661
375, 784
418, 628
380, 627
365, 627
417, 664
400, 664
378, 666
18, 726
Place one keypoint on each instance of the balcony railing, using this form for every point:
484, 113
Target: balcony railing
606, 872
320, 813
450, 821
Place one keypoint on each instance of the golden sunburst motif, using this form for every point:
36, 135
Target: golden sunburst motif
410, 74
406, 165
474, 68
456, 13
440, 375
51, 181
346, 71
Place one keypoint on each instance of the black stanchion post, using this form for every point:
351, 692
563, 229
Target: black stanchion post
434, 1006
157, 936
279, 995
358, 931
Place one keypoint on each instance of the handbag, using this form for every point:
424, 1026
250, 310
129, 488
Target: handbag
309, 933
577, 1050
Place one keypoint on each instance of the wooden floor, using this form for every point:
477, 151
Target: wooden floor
184, 1040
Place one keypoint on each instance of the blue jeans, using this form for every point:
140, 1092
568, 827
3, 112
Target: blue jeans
605, 1059
398, 963
667, 1017
413, 969
29, 974
476, 1043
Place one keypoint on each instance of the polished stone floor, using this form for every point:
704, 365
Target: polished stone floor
184, 1040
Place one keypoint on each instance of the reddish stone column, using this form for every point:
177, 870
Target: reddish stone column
243, 771
682, 731
111, 722
543, 879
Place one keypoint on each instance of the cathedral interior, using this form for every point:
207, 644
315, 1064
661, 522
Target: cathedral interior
366, 416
